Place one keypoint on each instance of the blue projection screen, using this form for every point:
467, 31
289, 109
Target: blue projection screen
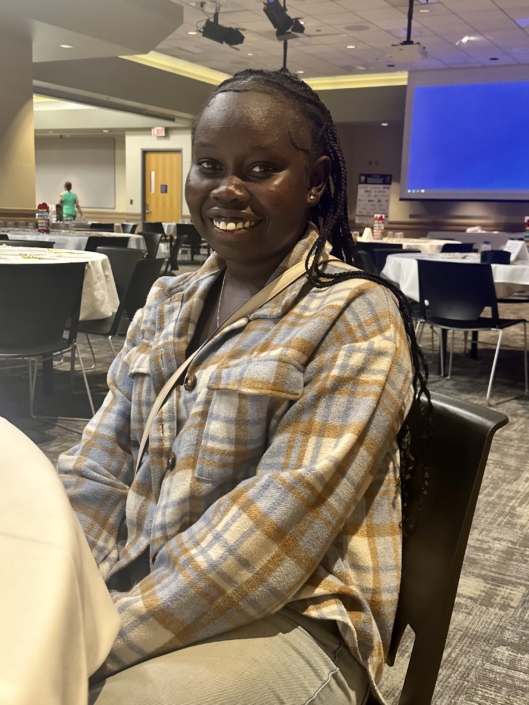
467, 141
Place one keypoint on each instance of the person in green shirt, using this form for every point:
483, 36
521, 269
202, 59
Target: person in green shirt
70, 203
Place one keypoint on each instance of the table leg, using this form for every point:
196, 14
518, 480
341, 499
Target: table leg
474, 345
47, 374
443, 351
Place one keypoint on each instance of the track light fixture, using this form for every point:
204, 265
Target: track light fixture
218, 33
286, 27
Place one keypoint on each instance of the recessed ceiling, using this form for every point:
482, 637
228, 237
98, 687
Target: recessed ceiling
498, 32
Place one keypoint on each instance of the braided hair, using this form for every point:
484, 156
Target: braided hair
332, 219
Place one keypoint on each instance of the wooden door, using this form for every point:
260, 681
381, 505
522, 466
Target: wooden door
163, 186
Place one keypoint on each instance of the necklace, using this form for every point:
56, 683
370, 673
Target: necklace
220, 300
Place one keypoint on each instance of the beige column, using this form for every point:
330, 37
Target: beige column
17, 135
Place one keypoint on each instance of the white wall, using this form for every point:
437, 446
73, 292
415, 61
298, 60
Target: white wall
141, 140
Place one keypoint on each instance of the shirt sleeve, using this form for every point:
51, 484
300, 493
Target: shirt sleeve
257, 546
97, 472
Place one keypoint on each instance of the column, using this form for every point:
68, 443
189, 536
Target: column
17, 134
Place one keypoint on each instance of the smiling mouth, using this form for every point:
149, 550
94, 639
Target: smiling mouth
233, 224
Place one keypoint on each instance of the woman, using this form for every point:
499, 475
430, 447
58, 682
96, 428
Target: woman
244, 561
70, 203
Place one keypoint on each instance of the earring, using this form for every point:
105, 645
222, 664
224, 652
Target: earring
312, 197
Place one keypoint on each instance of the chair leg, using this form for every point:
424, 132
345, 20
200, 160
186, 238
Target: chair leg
112, 346
84, 377
418, 330
451, 354
92, 352
442, 352
466, 342
32, 371
494, 365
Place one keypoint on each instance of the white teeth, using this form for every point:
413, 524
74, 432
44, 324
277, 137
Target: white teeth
222, 225
247, 224
227, 224
240, 226
231, 226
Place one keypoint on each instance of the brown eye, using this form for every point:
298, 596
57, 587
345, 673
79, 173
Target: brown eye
262, 169
208, 165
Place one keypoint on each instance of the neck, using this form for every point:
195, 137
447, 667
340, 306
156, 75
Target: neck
252, 276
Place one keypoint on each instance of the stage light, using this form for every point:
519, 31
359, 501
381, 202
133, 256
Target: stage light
286, 27
218, 33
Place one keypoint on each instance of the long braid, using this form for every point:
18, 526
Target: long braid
332, 218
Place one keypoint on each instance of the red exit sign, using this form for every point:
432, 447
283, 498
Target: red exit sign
158, 131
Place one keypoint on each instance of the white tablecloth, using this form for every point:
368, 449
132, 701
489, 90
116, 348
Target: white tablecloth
74, 241
426, 245
497, 240
404, 271
58, 619
100, 296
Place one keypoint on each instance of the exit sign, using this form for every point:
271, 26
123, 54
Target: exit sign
158, 131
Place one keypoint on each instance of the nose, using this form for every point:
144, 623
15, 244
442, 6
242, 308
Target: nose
231, 191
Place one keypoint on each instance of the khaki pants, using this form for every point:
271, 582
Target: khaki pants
284, 659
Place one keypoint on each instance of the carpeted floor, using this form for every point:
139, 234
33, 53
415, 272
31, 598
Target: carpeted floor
487, 654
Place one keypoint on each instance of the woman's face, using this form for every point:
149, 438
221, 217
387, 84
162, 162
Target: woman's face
248, 187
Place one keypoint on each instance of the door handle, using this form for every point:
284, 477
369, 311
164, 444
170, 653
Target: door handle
147, 209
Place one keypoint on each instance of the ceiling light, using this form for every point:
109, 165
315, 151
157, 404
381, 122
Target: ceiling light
66, 46
193, 32
360, 68
286, 27
465, 40
218, 33
424, 10
384, 124
351, 46
250, 53
50, 132
300, 71
106, 130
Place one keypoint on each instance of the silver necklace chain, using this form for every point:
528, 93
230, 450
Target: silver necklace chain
220, 299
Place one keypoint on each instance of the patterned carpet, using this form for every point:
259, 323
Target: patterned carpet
487, 655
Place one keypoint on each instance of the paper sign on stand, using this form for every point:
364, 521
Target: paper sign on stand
518, 250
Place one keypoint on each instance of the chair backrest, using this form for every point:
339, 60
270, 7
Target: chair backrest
42, 297
188, 233
102, 227
456, 292
153, 228
129, 227
381, 255
152, 241
123, 262
457, 247
367, 262
145, 274
4, 236
29, 243
95, 241
433, 550
495, 257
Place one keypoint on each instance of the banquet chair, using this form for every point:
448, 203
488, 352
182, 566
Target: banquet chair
154, 227
133, 297
41, 302
152, 241
433, 548
102, 227
453, 296
457, 247
95, 241
369, 248
190, 238
28, 243
4, 236
367, 262
129, 228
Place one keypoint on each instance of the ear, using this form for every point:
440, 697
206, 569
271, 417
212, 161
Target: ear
318, 179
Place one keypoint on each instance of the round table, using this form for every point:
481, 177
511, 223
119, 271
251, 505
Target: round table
403, 271
100, 297
73, 241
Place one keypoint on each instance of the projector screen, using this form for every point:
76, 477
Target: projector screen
466, 135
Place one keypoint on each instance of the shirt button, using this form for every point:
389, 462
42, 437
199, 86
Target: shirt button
190, 383
171, 462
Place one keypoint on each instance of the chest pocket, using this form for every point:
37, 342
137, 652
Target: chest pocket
246, 401
143, 396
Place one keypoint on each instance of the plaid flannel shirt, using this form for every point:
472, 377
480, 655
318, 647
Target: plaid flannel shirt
293, 408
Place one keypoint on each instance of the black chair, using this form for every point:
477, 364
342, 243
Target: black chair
95, 241
152, 241
367, 262
129, 228
102, 227
191, 239
123, 263
28, 243
457, 247
146, 272
381, 256
370, 247
495, 257
4, 236
154, 227
41, 301
434, 549
453, 296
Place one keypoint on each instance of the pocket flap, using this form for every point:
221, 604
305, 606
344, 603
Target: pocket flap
277, 378
138, 359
